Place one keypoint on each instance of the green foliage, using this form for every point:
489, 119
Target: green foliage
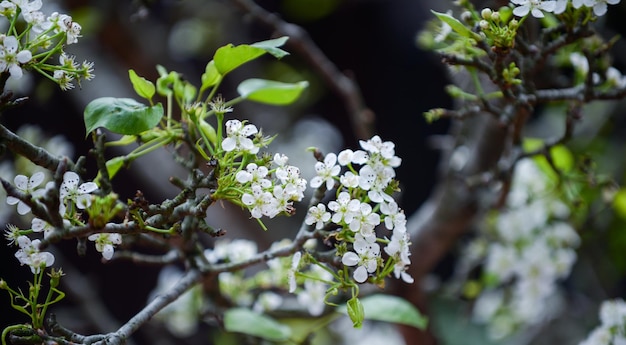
457, 26
386, 308
246, 321
121, 115
230, 57
144, 88
271, 92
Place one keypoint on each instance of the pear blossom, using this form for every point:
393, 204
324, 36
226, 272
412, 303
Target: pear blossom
365, 257
254, 174
365, 220
318, 215
29, 254
26, 185
312, 297
600, 6
105, 243
29, 9
344, 208
536, 7
398, 248
326, 172
11, 58
394, 216
78, 194
258, 202
237, 137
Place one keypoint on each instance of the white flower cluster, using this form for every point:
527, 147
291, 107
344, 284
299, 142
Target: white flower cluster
73, 196
269, 188
537, 7
42, 32
529, 250
279, 277
612, 330
364, 201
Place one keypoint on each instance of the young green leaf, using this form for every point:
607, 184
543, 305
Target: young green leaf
210, 77
390, 309
121, 115
229, 57
456, 25
271, 46
271, 92
246, 321
143, 87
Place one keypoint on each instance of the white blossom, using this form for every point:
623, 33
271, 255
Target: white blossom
105, 243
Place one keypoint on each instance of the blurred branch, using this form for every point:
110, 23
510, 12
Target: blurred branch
361, 117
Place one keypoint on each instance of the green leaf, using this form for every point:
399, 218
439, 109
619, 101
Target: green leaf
391, 309
456, 25
561, 156
246, 321
271, 46
211, 76
165, 83
271, 92
143, 87
121, 115
619, 203
114, 165
229, 57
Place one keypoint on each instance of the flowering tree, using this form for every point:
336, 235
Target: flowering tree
526, 196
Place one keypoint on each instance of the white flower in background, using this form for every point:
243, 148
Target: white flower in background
611, 331
326, 172
181, 315
79, 194
295, 262
536, 7
267, 301
105, 243
238, 137
365, 258
313, 294
232, 251
615, 77
29, 254
613, 313
26, 185
318, 215
526, 251
312, 297
11, 58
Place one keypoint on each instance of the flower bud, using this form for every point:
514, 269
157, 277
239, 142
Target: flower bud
483, 24
486, 13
